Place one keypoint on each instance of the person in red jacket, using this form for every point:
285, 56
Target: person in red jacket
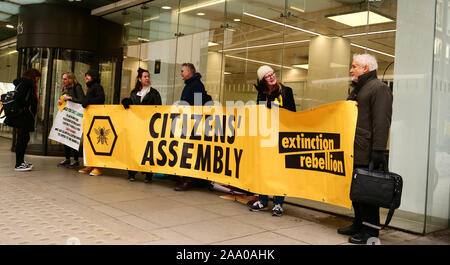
27, 99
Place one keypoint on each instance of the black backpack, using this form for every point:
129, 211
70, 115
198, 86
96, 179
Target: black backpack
206, 98
10, 106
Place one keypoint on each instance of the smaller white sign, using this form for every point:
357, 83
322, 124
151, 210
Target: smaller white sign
68, 125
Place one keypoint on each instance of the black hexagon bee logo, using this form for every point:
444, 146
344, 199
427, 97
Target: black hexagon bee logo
102, 136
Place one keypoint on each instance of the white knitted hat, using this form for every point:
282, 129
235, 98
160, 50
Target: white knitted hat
263, 70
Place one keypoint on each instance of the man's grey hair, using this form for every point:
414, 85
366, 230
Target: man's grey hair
366, 59
189, 66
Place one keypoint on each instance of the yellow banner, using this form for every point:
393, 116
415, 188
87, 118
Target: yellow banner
305, 154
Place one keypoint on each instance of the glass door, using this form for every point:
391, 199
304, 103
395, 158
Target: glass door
37, 58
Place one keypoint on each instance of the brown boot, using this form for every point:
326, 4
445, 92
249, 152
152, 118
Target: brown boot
183, 186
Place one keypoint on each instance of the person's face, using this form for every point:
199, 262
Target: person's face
88, 78
270, 78
65, 80
356, 70
145, 79
185, 73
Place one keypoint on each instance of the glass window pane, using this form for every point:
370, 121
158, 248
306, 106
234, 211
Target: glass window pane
253, 37
438, 197
8, 72
150, 44
200, 39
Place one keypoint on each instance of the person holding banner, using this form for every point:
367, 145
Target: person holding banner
193, 85
94, 95
27, 99
142, 94
72, 91
374, 101
271, 92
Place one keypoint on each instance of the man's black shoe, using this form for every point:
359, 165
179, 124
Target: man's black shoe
75, 164
148, 179
64, 163
350, 230
360, 238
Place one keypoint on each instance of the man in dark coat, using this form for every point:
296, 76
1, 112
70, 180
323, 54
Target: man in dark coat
193, 85
374, 101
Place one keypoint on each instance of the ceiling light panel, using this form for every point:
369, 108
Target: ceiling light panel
360, 18
301, 66
4, 17
372, 50
369, 33
281, 24
27, 2
259, 62
9, 8
200, 5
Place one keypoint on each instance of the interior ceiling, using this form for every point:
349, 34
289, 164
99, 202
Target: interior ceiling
252, 31
9, 10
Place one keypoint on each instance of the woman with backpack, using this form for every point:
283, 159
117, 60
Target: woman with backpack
27, 100
72, 91
142, 94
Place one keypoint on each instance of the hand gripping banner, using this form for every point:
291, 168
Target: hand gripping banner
306, 154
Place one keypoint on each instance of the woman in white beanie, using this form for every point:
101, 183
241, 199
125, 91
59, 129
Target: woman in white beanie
271, 92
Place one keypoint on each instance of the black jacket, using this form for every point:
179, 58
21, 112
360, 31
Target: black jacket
285, 98
193, 85
76, 92
26, 98
374, 116
152, 98
95, 95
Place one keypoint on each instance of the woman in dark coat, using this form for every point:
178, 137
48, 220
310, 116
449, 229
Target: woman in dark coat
73, 92
271, 92
26, 98
95, 95
142, 94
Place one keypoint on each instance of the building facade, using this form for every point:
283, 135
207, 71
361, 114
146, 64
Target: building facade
309, 44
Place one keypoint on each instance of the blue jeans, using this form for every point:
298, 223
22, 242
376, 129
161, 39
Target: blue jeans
276, 200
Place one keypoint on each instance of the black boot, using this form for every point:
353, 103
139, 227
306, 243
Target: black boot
64, 163
360, 238
183, 186
350, 230
148, 178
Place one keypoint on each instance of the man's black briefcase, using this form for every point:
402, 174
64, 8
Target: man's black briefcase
379, 188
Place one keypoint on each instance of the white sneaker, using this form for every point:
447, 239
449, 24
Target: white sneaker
29, 164
23, 167
257, 206
277, 210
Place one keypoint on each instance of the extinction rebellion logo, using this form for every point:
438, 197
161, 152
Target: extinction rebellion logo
102, 136
317, 151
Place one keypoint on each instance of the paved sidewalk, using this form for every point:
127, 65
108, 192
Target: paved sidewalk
54, 205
